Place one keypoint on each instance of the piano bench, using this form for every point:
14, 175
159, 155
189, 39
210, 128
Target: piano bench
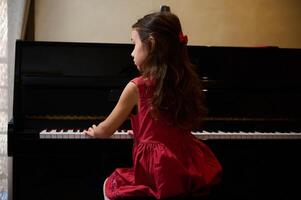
213, 195
172, 198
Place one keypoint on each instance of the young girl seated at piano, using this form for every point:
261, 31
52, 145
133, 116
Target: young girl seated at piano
168, 160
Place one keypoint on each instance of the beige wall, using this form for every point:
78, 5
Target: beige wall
206, 22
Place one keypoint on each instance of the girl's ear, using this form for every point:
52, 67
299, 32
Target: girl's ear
152, 43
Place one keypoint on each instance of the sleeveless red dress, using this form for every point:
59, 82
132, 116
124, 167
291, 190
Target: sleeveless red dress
167, 162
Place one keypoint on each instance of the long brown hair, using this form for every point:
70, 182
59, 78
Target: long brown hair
177, 93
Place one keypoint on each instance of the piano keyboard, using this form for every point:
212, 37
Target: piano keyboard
71, 134
204, 135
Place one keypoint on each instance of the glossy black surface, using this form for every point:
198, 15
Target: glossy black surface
73, 85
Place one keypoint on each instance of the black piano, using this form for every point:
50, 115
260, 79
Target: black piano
253, 125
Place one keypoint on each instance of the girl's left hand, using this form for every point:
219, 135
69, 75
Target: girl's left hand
91, 131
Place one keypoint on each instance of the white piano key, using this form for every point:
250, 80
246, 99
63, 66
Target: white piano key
294, 135
66, 134
52, 134
60, 134
43, 134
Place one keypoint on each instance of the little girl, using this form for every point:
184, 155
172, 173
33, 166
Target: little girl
168, 161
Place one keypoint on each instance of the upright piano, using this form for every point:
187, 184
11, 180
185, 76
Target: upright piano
253, 125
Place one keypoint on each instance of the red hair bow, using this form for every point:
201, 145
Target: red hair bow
183, 38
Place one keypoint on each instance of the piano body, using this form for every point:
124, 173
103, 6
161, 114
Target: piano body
253, 96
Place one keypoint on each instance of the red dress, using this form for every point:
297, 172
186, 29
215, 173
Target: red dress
167, 162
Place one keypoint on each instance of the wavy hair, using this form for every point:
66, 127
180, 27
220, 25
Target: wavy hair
177, 94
